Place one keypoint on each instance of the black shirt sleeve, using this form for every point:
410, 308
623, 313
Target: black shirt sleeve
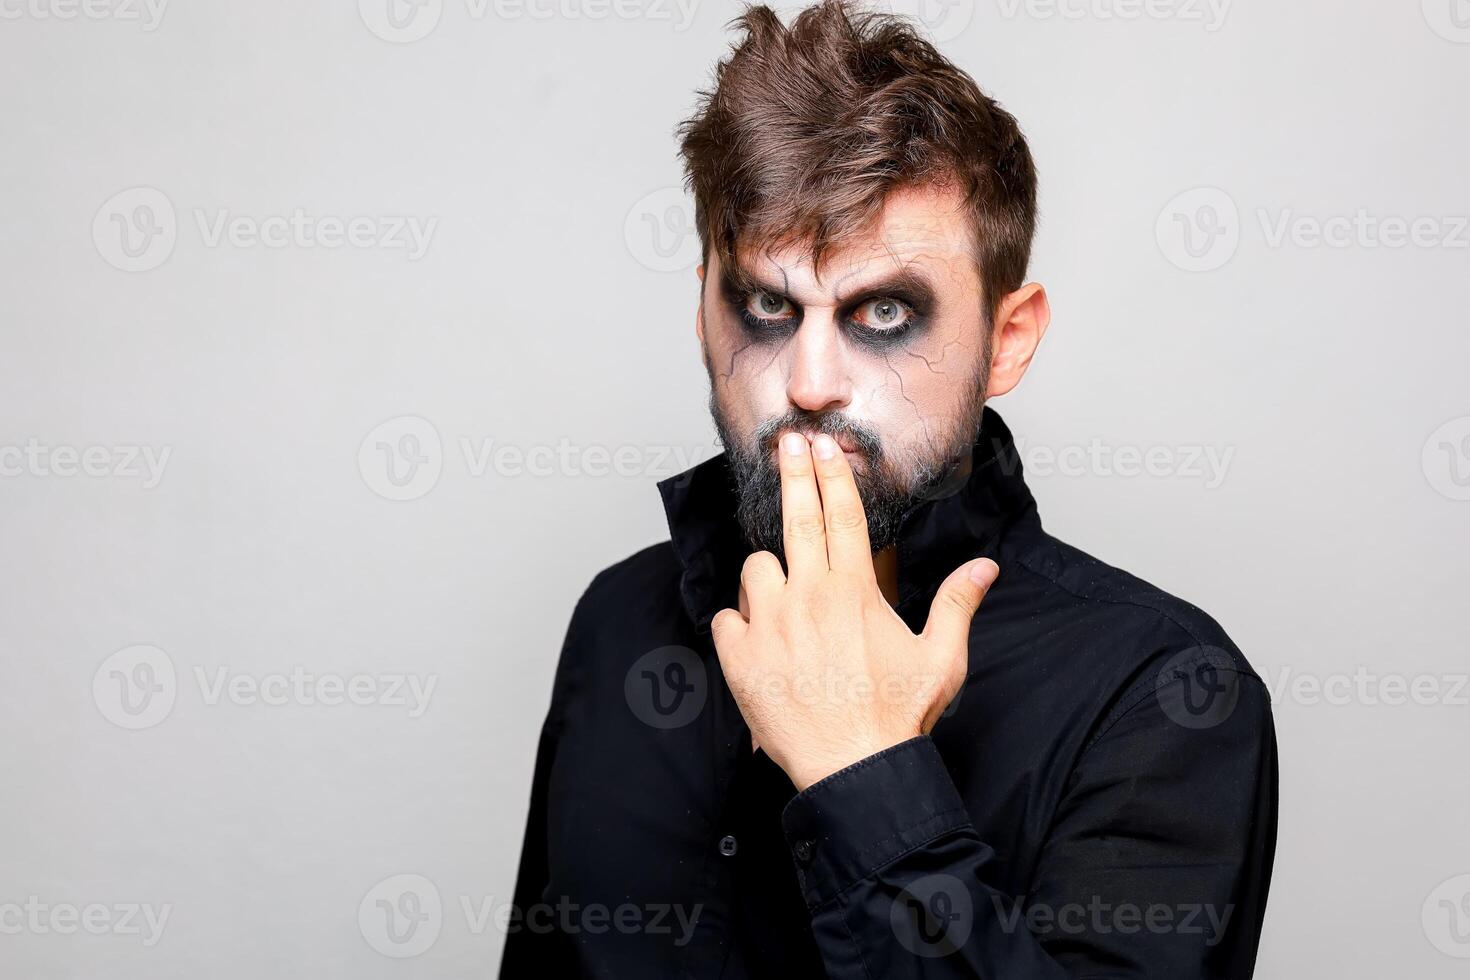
1156, 864
530, 949
533, 945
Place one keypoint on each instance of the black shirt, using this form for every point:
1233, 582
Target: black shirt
1099, 800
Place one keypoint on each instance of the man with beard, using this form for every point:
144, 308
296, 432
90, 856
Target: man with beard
783, 743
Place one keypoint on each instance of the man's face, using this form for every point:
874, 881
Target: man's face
887, 352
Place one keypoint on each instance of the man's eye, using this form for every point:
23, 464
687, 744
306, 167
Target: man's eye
883, 314
765, 306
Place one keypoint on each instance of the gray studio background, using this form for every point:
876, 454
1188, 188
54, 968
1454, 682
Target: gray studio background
341, 345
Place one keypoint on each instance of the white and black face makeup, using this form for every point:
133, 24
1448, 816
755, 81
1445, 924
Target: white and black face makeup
887, 352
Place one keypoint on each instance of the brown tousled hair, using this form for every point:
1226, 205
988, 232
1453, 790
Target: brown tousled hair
808, 128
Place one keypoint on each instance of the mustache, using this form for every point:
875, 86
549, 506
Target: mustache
851, 435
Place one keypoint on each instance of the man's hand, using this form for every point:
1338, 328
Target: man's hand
823, 670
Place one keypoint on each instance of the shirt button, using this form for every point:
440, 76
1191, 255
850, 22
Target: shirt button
803, 849
729, 845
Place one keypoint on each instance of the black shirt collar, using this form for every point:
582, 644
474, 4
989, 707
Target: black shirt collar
961, 520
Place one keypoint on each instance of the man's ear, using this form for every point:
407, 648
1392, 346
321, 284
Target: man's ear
699, 312
1020, 323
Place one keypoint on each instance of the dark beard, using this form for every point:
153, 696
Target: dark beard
888, 485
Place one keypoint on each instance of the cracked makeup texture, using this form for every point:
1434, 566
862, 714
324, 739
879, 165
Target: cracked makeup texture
788, 349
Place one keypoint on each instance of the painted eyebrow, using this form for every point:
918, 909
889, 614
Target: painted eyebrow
905, 282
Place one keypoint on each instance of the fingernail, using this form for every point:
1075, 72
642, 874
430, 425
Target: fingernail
984, 572
792, 443
824, 446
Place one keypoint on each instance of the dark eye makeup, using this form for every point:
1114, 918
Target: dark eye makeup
913, 309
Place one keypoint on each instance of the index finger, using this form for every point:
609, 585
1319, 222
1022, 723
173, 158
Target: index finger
848, 548
803, 532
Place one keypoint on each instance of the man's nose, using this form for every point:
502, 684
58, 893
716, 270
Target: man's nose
820, 379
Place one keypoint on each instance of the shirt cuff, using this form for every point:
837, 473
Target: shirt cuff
847, 826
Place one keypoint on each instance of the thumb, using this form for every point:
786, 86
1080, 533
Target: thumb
958, 597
